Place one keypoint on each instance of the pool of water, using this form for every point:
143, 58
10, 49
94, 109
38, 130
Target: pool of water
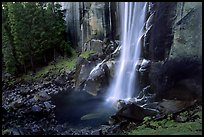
82, 109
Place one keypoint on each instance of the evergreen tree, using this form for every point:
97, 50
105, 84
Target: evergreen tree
30, 29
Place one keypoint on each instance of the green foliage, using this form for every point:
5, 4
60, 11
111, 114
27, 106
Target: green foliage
62, 64
169, 127
86, 54
67, 49
29, 29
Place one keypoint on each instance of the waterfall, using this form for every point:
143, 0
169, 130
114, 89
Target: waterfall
132, 15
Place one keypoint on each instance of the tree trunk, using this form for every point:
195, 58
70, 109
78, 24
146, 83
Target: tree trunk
54, 54
32, 64
45, 59
25, 71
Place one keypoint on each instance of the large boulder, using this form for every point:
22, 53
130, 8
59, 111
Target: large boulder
83, 68
42, 96
98, 79
133, 112
93, 45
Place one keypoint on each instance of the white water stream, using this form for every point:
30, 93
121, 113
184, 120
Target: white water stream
124, 85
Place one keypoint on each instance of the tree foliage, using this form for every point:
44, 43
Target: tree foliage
29, 31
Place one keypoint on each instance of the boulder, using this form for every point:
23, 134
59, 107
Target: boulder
111, 66
42, 96
144, 65
174, 106
133, 112
97, 80
47, 105
110, 48
17, 103
83, 68
36, 109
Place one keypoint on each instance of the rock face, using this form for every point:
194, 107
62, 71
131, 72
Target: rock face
158, 36
90, 20
173, 43
187, 40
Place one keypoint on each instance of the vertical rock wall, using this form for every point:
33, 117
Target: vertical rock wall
173, 42
187, 40
90, 20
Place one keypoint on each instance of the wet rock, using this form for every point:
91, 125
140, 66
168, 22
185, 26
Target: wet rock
60, 80
133, 112
174, 106
36, 130
31, 101
110, 48
97, 132
144, 65
171, 79
116, 53
145, 96
15, 131
42, 96
98, 78
111, 66
46, 84
150, 21
6, 132
36, 108
82, 72
17, 104
47, 105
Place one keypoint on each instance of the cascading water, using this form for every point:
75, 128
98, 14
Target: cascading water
132, 23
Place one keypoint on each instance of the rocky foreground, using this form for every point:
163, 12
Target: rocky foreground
28, 110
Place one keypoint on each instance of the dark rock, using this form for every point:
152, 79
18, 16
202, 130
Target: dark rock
144, 65
150, 21
15, 131
82, 72
111, 67
42, 96
161, 36
174, 106
179, 118
17, 104
6, 132
133, 112
60, 81
177, 79
4, 111
187, 42
36, 108
98, 78
46, 84
47, 105
110, 48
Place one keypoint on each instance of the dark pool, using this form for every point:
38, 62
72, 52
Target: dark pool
72, 106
